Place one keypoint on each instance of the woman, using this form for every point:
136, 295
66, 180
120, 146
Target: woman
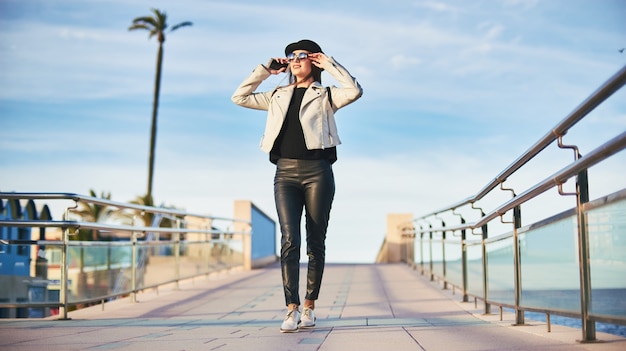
301, 138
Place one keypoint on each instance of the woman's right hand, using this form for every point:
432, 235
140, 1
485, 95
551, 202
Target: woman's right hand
271, 65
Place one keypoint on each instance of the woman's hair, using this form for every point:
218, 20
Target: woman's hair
316, 73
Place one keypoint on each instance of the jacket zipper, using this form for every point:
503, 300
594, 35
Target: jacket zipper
325, 119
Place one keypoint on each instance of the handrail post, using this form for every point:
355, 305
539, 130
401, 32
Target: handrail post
207, 252
582, 197
443, 258
413, 246
517, 265
403, 246
133, 268
430, 256
229, 254
177, 254
487, 307
63, 293
421, 251
464, 261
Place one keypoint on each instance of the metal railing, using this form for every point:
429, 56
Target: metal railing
138, 257
420, 235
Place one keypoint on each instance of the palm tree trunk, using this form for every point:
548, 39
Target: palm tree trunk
155, 106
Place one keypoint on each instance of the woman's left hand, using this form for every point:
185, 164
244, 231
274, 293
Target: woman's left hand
319, 59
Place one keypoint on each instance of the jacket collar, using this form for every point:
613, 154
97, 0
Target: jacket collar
311, 94
314, 85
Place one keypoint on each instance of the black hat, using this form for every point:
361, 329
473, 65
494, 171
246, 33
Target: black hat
305, 44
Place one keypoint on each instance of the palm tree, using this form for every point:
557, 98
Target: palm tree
146, 217
93, 213
156, 25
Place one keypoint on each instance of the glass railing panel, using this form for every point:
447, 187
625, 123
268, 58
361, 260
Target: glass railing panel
235, 250
437, 255
194, 259
99, 270
24, 279
454, 265
550, 270
47, 272
156, 263
607, 253
421, 251
222, 254
425, 250
417, 255
475, 269
95, 270
500, 276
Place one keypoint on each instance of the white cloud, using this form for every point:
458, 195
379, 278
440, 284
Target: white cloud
493, 30
525, 4
402, 62
438, 6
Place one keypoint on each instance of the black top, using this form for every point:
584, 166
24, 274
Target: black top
290, 141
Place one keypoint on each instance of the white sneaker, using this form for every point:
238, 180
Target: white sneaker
308, 319
290, 324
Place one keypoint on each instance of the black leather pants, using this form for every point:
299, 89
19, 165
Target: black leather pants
298, 184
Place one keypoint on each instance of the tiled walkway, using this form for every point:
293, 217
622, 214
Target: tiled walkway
361, 307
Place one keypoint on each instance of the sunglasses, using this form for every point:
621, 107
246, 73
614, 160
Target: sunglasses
299, 56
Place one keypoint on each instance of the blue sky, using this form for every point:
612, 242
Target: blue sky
454, 91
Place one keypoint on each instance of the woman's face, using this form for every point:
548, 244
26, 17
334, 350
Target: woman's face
300, 66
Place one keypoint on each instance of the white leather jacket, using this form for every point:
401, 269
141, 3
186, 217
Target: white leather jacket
317, 116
